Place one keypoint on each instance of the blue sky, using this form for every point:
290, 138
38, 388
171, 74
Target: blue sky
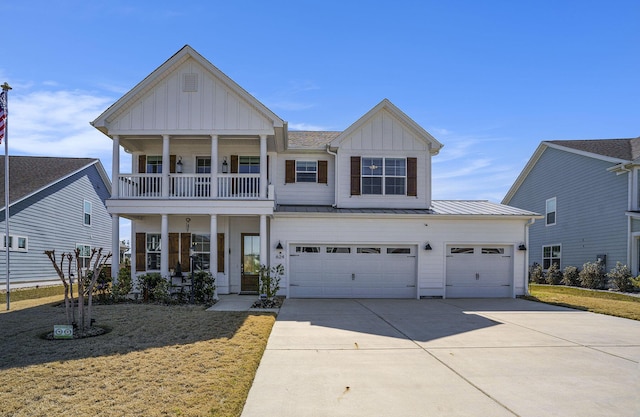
489, 79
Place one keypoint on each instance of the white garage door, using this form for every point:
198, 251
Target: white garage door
353, 271
479, 271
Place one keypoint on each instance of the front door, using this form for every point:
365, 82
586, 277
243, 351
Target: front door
250, 263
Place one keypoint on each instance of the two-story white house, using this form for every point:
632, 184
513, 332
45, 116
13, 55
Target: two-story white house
218, 177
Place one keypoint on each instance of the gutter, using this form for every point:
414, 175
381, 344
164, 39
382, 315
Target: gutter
526, 255
335, 179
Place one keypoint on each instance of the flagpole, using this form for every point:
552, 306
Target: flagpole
5, 91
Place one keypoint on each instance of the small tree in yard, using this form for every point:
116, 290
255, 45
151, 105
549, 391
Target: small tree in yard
620, 278
270, 280
592, 275
87, 278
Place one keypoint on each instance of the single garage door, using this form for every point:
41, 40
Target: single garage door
352, 271
479, 271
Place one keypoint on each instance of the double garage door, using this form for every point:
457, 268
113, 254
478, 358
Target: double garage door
352, 271
479, 271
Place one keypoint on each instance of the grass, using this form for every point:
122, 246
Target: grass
20, 294
156, 361
613, 304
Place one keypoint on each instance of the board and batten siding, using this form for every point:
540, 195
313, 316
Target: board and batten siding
213, 106
303, 193
54, 219
384, 136
590, 208
385, 230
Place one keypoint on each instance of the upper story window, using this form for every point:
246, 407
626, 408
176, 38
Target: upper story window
249, 164
154, 165
551, 211
384, 176
203, 165
306, 171
87, 213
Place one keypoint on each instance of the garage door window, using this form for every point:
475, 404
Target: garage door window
338, 249
399, 251
467, 251
369, 250
493, 251
307, 249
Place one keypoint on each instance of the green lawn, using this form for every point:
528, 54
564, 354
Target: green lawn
604, 302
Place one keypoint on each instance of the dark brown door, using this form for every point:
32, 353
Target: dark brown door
250, 263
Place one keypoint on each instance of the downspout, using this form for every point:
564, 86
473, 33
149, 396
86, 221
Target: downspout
526, 255
335, 180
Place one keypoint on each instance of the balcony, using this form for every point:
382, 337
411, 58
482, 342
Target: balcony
189, 186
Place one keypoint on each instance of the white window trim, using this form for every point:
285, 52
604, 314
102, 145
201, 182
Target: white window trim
547, 212
552, 257
306, 172
88, 257
383, 176
13, 240
84, 212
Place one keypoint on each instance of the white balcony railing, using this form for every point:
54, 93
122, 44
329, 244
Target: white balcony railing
242, 186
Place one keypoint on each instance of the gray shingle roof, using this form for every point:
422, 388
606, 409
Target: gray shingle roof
28, 174
309, 139
627, 149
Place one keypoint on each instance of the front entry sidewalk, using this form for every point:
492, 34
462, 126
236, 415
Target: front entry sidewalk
236, 302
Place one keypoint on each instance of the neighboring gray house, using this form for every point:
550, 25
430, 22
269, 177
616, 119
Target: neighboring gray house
55, 203
589, 191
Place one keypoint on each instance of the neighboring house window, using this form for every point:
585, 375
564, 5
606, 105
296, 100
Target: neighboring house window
201, 245
87, 212
551, 255
386, 176
203, 165
84, 255
153, 251
551, 211
16, 243
249, 165
306, 171
154, 165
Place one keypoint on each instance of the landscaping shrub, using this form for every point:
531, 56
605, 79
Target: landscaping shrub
592, 275
570, 276
102, 289
204, 287
123, 285
270, 280
535, 273
620, 278
553, 275
154, 287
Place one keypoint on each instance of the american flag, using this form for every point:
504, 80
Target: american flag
3, 114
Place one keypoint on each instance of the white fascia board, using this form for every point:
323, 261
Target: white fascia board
422, 217
222, 133
189, 207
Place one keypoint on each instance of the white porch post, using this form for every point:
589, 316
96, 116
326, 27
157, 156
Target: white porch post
213, 251
166, 163
115, 246
263, 166
134, 251
263, 240
164, 246
115, 168
214, 167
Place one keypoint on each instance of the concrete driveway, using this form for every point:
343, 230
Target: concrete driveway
502, 357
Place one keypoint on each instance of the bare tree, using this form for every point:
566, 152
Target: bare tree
87, 278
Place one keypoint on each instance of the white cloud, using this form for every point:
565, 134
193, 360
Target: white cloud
306, 126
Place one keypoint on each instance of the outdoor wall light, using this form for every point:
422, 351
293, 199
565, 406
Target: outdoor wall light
179, 165
279, 246
522, 247
427, 246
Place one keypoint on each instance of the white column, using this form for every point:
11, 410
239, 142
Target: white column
166, 163
115, 246
134, 251
115, 168
263, 241
214, 168
213, 250
263, 166
164, 246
